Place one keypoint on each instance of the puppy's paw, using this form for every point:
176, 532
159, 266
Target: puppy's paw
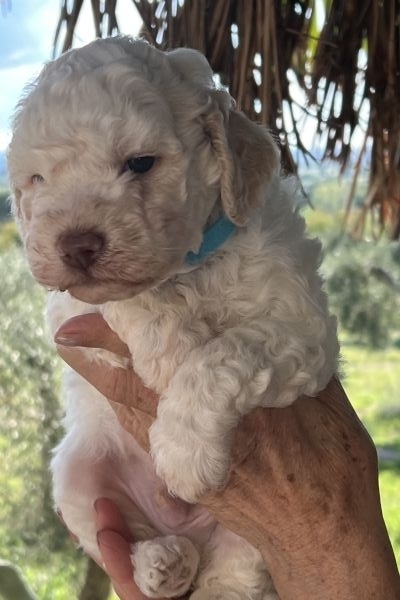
189, 466
165, 566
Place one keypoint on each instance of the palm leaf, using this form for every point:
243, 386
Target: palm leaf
350, 72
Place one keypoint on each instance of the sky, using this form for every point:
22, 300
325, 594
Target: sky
26, 36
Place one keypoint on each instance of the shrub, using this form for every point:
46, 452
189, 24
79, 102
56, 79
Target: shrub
9, 236
4, 204
30, 534
362, 284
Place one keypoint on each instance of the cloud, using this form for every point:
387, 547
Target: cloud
24, 32
13, 80
5, 137
26, 42
27, 30
26, 37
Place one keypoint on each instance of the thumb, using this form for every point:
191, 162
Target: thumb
115, 383
133, 403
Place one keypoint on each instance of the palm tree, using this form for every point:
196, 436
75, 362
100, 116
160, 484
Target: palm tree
345, 66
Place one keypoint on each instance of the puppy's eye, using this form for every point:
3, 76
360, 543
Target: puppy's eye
139, 164
37, 178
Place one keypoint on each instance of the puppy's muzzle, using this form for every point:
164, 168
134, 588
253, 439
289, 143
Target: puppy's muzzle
81, 249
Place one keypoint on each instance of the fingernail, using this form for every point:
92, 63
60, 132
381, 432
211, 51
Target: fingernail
99, 501
67, 339
99, 535
103, 539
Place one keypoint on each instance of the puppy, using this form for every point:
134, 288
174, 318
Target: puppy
142, 193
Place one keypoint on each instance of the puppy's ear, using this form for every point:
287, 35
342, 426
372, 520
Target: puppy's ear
248, 159
192, 66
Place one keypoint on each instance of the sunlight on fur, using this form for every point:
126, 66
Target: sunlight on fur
122, 158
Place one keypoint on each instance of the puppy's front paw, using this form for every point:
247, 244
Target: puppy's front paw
188, 466
165, 566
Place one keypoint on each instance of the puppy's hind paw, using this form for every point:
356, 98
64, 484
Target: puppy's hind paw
165, 566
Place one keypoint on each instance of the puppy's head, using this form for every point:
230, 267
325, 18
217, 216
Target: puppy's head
119, 154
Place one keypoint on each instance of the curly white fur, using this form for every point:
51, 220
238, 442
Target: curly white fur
248, 327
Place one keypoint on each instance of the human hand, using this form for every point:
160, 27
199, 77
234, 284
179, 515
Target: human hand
114, 538
314, 509
134, 404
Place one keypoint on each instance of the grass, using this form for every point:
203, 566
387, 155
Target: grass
372, 382
58, 579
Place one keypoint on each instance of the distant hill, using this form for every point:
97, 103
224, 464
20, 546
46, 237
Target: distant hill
5, 213
4, 205
3, 169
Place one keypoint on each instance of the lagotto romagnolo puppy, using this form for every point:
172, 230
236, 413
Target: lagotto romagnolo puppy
143, 193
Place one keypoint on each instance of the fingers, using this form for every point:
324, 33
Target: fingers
115, 383
114, 538
121, 386
128, 591
134, 404
108, 516
115, 552
90, 331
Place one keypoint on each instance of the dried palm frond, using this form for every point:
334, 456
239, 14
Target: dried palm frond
250, 44
104, 21
355, 84
349, 71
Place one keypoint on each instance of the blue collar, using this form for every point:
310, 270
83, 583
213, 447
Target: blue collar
213, 238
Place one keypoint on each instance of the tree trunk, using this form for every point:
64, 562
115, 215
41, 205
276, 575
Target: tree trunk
97, 584
12, 584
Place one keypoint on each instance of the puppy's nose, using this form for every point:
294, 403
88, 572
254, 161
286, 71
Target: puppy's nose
81, 249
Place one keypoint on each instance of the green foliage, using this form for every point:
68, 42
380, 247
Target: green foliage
362, 277
362, 283
321, 223
8, 235
389, 484
30, 534
330, 194
372, 378
60, 577
372, 381
8, 230
4, 204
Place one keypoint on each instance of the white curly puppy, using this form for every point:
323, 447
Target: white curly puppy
140, 189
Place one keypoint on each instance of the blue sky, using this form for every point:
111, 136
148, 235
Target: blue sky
26, 36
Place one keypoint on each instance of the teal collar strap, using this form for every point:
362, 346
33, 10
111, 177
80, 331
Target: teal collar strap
214, 237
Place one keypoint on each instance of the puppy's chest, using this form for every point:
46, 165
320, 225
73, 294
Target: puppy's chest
161, 329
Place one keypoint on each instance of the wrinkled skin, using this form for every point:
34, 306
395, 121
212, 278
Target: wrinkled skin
314, 511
